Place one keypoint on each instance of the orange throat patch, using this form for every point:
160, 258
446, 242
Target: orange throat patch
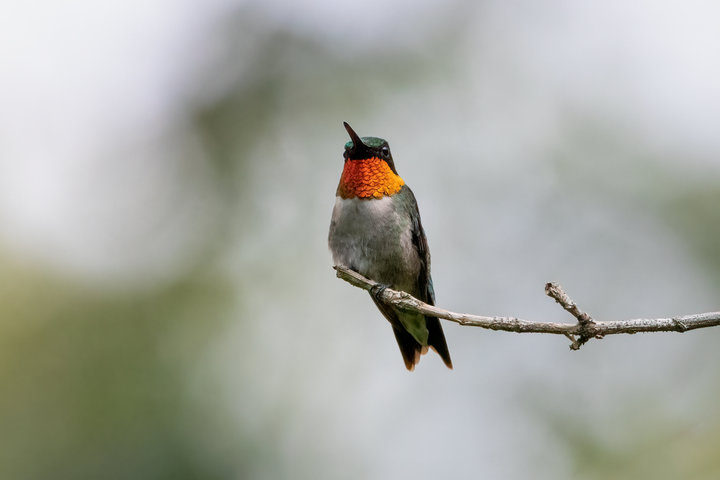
368, 178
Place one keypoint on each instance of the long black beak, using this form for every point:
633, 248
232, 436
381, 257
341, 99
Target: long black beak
357, 143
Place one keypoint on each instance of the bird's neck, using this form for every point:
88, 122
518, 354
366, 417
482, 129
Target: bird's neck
368, 178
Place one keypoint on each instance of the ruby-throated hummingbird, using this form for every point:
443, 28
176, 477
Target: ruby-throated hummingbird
376, 231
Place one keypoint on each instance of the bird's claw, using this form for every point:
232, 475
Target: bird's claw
377, 290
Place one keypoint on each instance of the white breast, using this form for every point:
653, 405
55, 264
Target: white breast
370, 236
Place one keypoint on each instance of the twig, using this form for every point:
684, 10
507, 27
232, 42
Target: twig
579, 333
585, 322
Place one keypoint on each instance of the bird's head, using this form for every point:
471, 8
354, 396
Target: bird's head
369, 170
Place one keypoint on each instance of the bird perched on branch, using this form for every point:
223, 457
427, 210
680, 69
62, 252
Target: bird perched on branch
376, 230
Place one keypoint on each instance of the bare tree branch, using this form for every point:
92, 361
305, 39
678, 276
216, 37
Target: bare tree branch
579, 333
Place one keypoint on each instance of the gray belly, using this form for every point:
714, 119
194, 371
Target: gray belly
373, 238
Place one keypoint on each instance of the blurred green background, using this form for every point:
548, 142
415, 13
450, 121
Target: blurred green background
167, 173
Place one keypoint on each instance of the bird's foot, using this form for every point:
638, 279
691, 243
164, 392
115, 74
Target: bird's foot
377, 290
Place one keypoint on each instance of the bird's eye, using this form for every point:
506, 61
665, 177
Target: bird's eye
385, 151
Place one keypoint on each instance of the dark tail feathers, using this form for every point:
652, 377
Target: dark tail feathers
411, 349
436, 339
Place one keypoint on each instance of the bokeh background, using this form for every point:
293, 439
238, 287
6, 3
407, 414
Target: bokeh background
167, 172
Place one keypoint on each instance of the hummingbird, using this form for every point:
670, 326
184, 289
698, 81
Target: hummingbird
376, 230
